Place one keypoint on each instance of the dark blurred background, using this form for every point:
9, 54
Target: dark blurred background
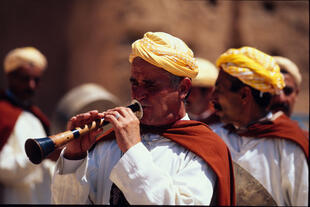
89, 41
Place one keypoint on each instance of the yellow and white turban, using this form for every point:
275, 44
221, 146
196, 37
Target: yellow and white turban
24, 56
207, 74
253, 68
165, 51
289, 67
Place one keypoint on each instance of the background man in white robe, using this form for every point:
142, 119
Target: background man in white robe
22, 182
269, 146
285, 100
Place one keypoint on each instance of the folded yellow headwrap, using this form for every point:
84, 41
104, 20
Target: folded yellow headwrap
253, 68
207, 74
165, 51
23, 56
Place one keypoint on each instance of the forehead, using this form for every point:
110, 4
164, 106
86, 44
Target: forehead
142, 69
289, 80
28, 70
223, 79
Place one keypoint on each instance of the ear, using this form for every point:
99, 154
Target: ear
184, 87
245, 95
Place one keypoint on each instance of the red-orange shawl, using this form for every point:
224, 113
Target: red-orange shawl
8, 117
282, 127
9, 114
198, 138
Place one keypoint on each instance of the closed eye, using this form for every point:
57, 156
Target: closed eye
133, 82
149, 84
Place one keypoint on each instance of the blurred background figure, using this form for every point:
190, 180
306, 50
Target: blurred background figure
285, 101
83, 98
21, 181
198, 105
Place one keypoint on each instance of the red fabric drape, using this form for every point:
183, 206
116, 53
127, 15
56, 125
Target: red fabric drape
9, 113
8, 117
198, 138
282, 127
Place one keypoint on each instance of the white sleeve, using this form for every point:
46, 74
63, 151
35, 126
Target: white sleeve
295, 175
69, 184
15, 167
143, 182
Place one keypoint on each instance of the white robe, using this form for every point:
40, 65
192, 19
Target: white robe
22, 182
154, 171
278, 164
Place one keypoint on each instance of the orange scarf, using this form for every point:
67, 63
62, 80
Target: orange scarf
283, 128
9, 114
198, 138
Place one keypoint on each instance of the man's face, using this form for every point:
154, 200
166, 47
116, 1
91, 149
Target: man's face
24, 81
286, 99
227, 104
199, 99
152, 87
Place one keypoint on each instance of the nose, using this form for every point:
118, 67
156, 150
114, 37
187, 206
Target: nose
32, 84
139, 93
214, 96
279, 97
282, 95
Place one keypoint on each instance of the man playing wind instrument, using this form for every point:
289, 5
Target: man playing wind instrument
162, 159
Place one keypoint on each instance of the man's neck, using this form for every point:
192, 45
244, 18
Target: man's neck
252, 115
154, 129
14, 99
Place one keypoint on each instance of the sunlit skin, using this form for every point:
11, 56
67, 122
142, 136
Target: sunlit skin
237, 108
162, 104
285, 101
24, 81
151, 86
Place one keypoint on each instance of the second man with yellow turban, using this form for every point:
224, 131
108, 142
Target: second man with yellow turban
268, 149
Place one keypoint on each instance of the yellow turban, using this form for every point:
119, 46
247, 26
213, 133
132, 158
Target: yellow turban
24, 56
207, 74
253, 68
289, 67
165, 51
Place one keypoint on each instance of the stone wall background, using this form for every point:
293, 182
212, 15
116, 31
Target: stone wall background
89, 41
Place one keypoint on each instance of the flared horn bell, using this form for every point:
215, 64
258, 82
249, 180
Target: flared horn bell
38, 149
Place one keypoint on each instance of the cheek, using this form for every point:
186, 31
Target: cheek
166, 101
222, 100
19, 85
196, 98
229, 104
292, 98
